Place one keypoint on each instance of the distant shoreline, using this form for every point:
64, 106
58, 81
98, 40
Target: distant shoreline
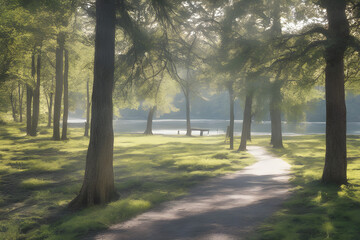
216, 126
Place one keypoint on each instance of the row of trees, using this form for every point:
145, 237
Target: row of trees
263, 52
35, 54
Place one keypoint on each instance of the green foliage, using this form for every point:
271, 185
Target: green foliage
297, 101
39, 177
162, 97
315, 210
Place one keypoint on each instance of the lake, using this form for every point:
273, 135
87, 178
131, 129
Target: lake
217, 127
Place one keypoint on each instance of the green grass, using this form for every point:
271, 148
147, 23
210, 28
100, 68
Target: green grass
314, 210
39, 177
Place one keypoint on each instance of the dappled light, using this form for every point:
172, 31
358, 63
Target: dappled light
146, 174
231, 198
315, 209
163, 119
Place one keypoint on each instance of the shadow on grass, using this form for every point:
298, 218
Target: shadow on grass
217, 210
40, 176
315, 210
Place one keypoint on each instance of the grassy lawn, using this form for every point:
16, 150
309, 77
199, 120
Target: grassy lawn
38, 178
315, 211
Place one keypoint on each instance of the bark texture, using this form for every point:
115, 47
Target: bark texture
246, 122
29, 97
13, 105
98, 184
58, 86
87, 123
49, 101
66, 97
28, 108
276, 98
232, 117
248, 135
36, 99
188, 123
149, 122
338, 35
50, 109
21, 94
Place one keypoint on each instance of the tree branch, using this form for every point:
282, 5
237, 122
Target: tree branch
296, 55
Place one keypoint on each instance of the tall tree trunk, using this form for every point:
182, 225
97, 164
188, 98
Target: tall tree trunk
248, 135
148, 130
335, 158
232, 117
50, 108
29, 97
188, 123
66, 97
13, 105
21, 94
275, 101
98, 185
58, 86
36, 99
275, 115
28, 108
246, 122
87, 123
50, 102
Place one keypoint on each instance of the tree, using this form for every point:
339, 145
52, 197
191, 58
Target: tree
337, 43
98, 184
66, 96
185, 84
48, 88
275, 98
29, 97
11, 90
241, 30
88, 104
185, 74
333, 39
9, 39
36, 99
20, 99
148, 130
26, 25
58, 85
160, 100
246, 126
232, 115
28, 108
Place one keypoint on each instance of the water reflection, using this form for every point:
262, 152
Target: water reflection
218, 127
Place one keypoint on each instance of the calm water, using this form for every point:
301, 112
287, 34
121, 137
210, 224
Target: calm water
216, 127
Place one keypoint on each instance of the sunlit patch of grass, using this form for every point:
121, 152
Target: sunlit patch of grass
35, 182
39, 177
203, 164
315, 210
95, 218
9, 230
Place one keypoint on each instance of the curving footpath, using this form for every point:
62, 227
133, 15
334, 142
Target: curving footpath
223, 208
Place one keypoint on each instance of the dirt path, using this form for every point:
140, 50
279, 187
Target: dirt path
223, 208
